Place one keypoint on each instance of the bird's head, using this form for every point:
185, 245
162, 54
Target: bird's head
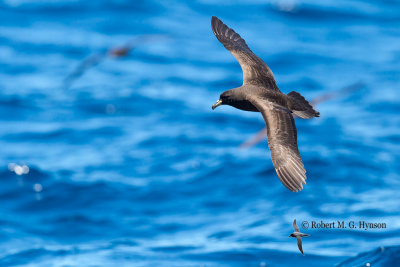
292, 235
225, 98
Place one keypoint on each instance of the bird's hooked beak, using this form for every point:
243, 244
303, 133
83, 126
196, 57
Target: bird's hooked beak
219, 102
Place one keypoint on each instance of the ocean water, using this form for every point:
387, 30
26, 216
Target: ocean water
129, 166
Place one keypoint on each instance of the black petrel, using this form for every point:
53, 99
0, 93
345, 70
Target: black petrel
298, 236
259, 93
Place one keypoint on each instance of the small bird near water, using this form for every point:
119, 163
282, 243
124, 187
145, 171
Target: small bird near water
298, 236
259, 93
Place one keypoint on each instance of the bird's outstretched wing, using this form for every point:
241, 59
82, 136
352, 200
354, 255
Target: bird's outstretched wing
255, 71
300, 244
296, 228
282, 141
258, 137
87, 63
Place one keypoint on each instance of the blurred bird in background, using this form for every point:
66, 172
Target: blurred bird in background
113, 52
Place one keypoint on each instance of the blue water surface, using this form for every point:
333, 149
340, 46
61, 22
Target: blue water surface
129, 166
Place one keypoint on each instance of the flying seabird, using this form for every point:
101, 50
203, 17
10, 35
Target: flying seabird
298, 236
259, 93
114, 52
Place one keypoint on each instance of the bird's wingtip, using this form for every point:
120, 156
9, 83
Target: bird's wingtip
215, 20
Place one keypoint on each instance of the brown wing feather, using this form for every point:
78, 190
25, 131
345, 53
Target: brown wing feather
300, 244
296, 228
255, 71
282, 141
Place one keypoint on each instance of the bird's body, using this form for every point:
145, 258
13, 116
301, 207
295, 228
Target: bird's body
244, 102
298, 236
259, 93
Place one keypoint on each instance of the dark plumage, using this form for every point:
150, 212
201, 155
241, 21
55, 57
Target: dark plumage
259, 93
298, 236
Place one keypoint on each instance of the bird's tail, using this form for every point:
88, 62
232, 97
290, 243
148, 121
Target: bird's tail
300, 106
